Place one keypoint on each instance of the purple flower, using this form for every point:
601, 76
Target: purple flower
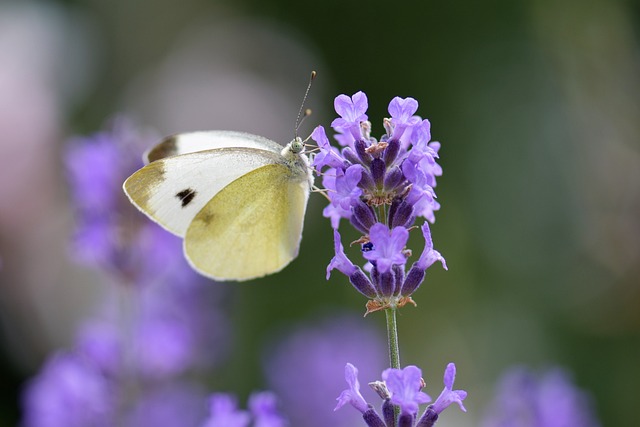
551, 399
163, 346
328, 156
343, 191
346, 186
263, 407
417, 272
357, 278
312, 358
401, 111
352, 112
69, 392
429, 255
224, 412
340, 260
448, 395
174, 327
352, 394
100, 342
382, 187
387, 246
405, 388
172, 405
401, 390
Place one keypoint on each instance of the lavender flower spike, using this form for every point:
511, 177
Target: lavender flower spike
382, 187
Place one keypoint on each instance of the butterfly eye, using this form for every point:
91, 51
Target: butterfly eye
297, 145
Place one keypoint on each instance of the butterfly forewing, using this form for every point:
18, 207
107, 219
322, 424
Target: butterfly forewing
251, 228
192, 142
171, 191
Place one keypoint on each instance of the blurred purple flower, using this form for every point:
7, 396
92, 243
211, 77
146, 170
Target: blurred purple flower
174, 405
264, 408
163, 346
111, 235
224, 412
100, 342
308, 359
69, 392
263, 411
552, 399
174, 328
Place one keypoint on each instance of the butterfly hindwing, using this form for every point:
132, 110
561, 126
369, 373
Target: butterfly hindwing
171, 191
250, 228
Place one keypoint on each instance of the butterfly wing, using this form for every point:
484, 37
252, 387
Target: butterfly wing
250, 228
192, 142
171, 191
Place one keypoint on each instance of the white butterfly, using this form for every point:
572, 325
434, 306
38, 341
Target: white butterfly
237, 199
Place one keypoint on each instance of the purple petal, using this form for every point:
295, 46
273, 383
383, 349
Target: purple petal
429, 256
448, 396
404, 386
328, 155
340, 260
387, 246
450, 375
352, 394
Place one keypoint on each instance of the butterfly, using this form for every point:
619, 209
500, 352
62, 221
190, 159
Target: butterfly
238, 200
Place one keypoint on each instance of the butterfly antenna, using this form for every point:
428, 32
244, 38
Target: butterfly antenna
307, 112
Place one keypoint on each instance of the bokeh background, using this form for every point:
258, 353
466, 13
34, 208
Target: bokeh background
536, 104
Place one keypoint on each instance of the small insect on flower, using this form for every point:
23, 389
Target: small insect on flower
237, 199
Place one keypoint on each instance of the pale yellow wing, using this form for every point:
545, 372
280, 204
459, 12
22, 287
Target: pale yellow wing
251, 228
171, 191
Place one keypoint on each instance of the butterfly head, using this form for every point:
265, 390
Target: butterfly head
297, 145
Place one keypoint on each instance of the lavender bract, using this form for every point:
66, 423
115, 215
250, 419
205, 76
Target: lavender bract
381, 188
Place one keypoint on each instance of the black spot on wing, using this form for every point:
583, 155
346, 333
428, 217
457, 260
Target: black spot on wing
186, 196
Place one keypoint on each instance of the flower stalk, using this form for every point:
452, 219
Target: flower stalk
382, 187
392, 335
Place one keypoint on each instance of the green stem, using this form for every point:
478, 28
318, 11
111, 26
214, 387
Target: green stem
392, 333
